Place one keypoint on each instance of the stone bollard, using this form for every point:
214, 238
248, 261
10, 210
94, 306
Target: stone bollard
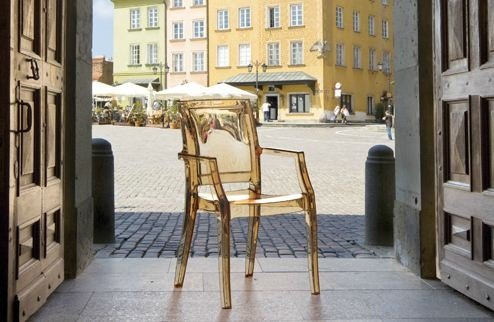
379, 195
103, 192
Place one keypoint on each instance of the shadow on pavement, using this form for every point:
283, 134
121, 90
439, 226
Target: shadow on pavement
157, 234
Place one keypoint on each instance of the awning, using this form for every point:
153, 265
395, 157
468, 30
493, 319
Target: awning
273, 79
142, 81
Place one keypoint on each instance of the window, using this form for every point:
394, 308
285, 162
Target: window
135, 54
198, 2
178, 30
198, 27
273, 17
296, 15
178, 3
357, 57
152, 54
372, 32
385, 29
296, 53
152, 17
135, 18
299, 103
223, 59
356, 21
370, 105
339, 17
198, 61
372, 59
223, 20
244, 18
274, 54
340, 54
386, 62
244, 55
178, 62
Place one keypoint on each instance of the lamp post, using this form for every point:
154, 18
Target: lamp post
387, 72
264, 68
161, 66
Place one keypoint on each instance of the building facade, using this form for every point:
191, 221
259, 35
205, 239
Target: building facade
187, 42
139, 42
304, 57
102, 70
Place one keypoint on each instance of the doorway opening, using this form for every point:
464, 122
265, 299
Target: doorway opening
273, 99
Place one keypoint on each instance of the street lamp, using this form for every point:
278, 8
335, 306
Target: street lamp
264, 68
387, 72
161, 66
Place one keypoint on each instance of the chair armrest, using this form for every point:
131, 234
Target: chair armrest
212, 166
302, 173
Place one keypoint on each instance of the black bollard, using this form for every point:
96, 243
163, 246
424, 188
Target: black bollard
379, 195
103, 192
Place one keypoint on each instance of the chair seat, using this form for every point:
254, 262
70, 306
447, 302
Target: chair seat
239, 202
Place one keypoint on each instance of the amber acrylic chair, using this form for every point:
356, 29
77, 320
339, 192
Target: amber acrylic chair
222, 160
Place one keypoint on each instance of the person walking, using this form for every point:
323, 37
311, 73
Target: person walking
265, 109
336, 113
344, 114
388, 119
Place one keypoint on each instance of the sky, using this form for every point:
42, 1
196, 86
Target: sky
103, 28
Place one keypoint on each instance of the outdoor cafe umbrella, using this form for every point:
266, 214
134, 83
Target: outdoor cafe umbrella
149, 109
131, 90
223, 90
184, 91
102, 89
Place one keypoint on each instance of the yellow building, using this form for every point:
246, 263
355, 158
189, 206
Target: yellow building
316, 54
139, 42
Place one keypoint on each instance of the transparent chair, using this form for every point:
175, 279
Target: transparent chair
221, 151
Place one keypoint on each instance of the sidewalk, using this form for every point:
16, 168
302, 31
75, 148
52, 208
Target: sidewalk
351, 289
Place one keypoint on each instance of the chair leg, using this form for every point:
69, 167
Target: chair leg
224, 257
254, 221
312, 255
186, 240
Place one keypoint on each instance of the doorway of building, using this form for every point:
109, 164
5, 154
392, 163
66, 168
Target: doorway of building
346, 100
273, 108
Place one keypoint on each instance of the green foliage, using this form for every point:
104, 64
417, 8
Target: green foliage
138, 114
379, 112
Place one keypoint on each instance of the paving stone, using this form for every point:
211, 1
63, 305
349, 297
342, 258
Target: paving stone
149, 190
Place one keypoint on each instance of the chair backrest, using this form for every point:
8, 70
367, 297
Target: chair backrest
224, 129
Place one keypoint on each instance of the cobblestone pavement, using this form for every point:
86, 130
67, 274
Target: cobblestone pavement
149, 191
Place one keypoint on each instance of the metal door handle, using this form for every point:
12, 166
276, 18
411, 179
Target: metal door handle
20, 129
34, 69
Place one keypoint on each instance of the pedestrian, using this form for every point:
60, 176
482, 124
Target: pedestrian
336, 113
388, 119
345, 113
265, 109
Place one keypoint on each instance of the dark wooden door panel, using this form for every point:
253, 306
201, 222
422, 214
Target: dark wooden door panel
490, 144
38, 216
455, 35
464, 145
30, 27
486, 29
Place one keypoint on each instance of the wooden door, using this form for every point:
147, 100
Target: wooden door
37, 120
464, 56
